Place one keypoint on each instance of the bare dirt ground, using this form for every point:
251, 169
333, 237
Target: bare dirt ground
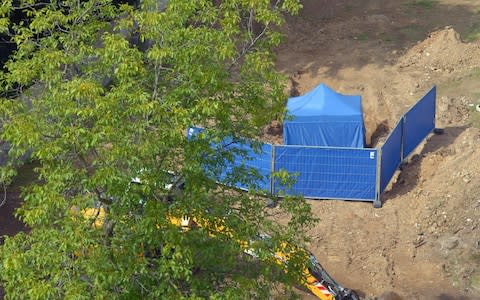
425, 241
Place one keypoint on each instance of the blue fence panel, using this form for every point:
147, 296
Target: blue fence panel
328, 173
419, 121
255, 161
250, 165
391, 156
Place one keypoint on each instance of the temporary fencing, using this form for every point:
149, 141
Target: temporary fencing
252, 159
322, 172
418, 122
413, 127
391, 153
359, 174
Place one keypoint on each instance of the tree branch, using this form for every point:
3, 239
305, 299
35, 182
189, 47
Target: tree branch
248, 47
31, 5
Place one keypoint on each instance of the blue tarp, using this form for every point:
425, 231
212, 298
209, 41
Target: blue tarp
328, 173
419, 121
323, 117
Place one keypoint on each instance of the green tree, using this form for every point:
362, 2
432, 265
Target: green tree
99, 93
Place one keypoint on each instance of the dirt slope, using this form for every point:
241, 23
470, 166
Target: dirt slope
425, 241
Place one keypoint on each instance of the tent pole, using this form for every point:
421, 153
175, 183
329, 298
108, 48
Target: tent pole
377, 203
402, 146
272, 171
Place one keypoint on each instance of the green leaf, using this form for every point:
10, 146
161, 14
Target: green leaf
99, 94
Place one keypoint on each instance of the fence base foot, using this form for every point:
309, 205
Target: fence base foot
377, 204
272, 202
438, 131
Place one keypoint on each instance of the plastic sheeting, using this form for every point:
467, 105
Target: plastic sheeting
323, 117
391, 156
328, 173
419, 121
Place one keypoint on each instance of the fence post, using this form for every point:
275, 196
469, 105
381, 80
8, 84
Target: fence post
377, 203
402, 143
272, 171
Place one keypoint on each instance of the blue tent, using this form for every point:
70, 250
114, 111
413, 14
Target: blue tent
323, 117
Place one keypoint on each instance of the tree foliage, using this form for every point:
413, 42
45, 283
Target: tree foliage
99, 93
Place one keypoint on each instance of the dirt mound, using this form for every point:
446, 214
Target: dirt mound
442, 51
450, 216
452, 110
425, 241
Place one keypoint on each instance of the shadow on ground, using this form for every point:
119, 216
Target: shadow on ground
367, 32
448, 297
408, 178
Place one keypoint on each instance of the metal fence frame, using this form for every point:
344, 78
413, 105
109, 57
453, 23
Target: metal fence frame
370, 151
426, 125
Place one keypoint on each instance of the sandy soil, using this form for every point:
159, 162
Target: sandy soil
425, 241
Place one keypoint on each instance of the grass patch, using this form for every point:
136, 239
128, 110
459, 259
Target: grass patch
413, 33
467, 83
447, 86
474, 119
426, 4
473, 34
476, 259
475, 281
363, 37
386, 38
475, 73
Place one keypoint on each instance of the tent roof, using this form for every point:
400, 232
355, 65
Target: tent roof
323, 101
